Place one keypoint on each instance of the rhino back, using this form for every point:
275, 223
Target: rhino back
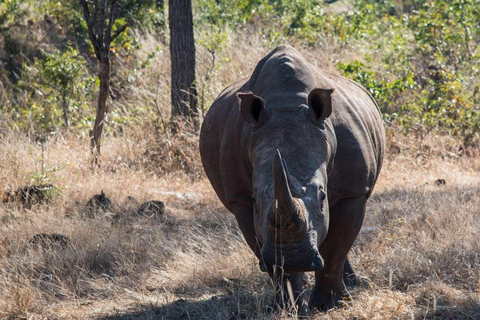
284, 71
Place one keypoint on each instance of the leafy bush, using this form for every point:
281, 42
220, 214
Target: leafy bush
432, 47
420, 60
10, 13
58, 87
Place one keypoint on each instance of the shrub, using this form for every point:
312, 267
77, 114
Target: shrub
54, 88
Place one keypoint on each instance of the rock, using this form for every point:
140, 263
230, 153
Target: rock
50, 240
30, 195
152, 208
98, 203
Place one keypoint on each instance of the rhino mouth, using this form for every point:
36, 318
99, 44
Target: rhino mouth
291, 257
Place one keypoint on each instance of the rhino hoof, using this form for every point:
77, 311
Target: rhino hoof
325, 302
98, 203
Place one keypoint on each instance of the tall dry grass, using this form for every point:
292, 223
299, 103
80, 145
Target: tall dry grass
417, 255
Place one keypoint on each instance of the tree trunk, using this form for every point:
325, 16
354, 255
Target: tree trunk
65, 108
182, 52
101, 108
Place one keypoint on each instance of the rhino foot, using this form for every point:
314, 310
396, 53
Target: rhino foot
323, 301
349, 276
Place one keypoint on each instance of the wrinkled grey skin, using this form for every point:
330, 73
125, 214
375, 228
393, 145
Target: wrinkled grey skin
294, 153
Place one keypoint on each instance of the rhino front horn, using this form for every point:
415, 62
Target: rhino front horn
287, 215
283, 196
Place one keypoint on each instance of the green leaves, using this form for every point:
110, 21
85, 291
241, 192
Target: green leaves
58, 83
425, 56
419, 59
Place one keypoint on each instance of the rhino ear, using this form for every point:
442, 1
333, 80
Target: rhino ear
320, 104
251, 107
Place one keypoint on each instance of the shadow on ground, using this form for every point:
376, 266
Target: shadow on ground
466, 312
230, 308
395, 217
218, 307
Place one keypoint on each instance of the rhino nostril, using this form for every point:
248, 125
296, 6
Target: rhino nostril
317, 262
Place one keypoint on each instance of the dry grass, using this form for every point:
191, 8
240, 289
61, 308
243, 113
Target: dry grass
418, 255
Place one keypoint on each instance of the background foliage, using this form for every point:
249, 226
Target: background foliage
419, 60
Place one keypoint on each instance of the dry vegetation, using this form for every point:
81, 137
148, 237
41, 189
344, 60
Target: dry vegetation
418, 255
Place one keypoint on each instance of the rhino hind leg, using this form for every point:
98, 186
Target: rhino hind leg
349, 276
330, 286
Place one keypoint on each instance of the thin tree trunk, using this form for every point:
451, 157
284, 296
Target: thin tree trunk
65, 108
100, 17
101, 108
182, 52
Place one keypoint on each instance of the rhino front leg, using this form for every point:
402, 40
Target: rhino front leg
244, 216
346, 218
283, 283
349, 276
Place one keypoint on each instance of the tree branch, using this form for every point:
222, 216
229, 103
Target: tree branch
86, 12
91, 33
101, 23
111, 21
122, 28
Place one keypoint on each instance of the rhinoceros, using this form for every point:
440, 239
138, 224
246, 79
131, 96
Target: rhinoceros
294, 153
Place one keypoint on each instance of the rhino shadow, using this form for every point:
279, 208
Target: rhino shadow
233, 307
469, 312
227, 306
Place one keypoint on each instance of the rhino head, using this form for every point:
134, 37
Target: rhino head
290, 149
